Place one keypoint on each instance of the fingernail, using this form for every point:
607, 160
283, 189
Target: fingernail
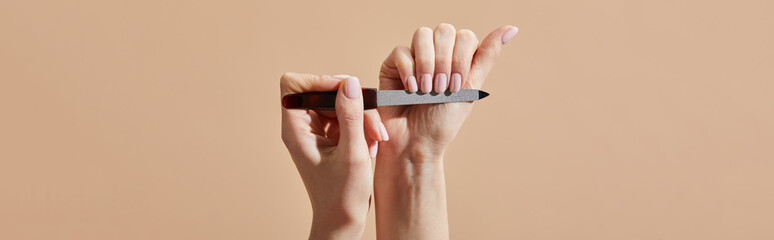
427, 83
508, 35
412, 84
352, 88
373, 149
440, 82
341, 76
383, 132
456, 82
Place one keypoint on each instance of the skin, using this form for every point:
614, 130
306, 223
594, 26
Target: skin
410, 192
333, 150
332, 154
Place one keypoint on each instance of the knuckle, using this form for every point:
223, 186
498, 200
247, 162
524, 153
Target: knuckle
425, 62
442, 61
403, 65
423, 30
466, 35
399, 50
351, 116
487, 52
445, 25
396, 50
402, 49
459, 61
286, 79
444, 29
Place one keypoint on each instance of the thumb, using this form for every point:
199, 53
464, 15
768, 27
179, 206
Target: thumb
486, 54
349, 113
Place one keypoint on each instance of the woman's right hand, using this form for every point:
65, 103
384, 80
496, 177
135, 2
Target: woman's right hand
331, 151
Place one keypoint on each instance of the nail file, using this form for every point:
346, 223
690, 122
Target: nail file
373, 98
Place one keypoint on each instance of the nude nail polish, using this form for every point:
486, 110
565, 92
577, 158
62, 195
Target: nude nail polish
341, 76
373, 149
383, 132
456, 82
508, 35
440, 82
352, 88
427, 83
412, 84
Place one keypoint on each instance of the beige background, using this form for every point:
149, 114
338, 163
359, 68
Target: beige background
607, 120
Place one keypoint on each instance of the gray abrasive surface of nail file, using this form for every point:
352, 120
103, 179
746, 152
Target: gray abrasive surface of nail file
401, 97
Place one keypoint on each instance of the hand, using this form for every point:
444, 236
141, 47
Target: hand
331, 152
410, 189
438, 60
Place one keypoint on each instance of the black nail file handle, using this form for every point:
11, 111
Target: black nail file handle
324, 100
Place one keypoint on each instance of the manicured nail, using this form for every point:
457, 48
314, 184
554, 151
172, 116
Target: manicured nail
440, 82
456, 82
412, 84
508, 35
427, 83
383, 132
373, 149
352, 88
341, 76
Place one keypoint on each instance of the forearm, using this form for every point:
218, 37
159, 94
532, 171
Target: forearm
410, 199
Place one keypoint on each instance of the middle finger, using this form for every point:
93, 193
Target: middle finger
444, 46
424, 57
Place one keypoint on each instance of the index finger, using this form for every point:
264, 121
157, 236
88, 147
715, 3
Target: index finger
297, 121
301, 82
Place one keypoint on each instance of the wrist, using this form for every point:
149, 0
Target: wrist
411, 153
408, 170
336, 226
411, 197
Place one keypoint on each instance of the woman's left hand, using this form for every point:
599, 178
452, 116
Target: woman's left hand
438, 60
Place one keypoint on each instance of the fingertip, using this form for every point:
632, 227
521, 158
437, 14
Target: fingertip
456, 82
350, 114
373, 125
352, 88
373, 149
440, 82
349, 103
383, 132
509, 34
412, 84
427, 83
